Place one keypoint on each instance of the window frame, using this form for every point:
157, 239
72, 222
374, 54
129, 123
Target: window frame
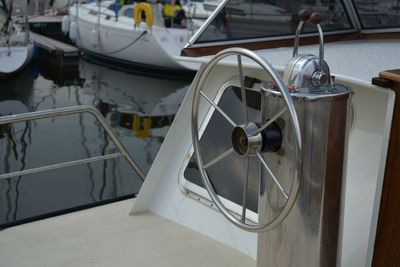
348, 5
199, 193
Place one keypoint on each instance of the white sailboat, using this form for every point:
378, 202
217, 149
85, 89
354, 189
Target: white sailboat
16, 47
123, 37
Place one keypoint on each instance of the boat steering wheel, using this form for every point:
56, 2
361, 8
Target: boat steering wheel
247, 140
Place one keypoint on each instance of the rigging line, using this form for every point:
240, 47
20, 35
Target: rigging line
8, 18
127, 46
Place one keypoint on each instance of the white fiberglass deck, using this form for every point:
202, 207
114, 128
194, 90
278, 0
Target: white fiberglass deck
108, 236
358, 60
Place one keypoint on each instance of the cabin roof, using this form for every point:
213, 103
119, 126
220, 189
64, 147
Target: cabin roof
358, 60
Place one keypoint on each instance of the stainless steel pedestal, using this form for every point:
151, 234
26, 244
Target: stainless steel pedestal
309, 236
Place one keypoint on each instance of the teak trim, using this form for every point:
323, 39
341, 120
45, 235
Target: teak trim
211, 50
387, 242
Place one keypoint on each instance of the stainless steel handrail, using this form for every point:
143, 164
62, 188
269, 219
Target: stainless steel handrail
43, 114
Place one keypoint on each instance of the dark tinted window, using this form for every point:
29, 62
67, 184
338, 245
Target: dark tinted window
128, 13
377, 14
245, 19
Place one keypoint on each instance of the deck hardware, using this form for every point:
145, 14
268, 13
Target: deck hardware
306, 71
247, 139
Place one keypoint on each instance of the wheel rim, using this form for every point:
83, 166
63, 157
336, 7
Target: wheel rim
240, 131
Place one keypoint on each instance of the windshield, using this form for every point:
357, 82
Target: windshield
259, 20
249, 19
378, 14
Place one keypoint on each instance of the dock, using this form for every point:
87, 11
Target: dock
49, 26
60, 53
45, 19
52, 44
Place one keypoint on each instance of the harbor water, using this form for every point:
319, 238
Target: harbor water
140, 109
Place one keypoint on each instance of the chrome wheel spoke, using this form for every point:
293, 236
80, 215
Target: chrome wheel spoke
218, 158
272, 175
244, 198
242, 89
201, 113
218, 109
272, 119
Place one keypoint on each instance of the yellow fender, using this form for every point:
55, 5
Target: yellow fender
148, 11
141, 126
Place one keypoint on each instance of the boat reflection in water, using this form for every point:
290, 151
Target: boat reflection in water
140, 109
14, 102
127, 101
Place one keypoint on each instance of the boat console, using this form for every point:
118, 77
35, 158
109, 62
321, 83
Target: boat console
300, 142
291, 157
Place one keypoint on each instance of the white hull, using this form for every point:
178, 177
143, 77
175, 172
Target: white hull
14, 58
16, 48
120, 40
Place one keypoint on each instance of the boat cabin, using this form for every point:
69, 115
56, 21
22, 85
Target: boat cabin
339, 53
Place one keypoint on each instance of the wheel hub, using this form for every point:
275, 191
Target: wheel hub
246, 141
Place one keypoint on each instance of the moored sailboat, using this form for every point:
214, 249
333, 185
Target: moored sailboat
16, 47
130, 35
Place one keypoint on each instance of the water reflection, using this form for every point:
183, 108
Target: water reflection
140, 109
131, 110
16, 137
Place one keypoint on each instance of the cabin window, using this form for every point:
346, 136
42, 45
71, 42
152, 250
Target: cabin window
250, 19
128, 13
378, 14
227, 176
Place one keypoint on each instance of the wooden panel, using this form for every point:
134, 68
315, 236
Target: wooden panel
203, 51
387, 243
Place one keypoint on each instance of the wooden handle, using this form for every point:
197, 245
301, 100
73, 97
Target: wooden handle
393, 75
316, 18
304, 14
